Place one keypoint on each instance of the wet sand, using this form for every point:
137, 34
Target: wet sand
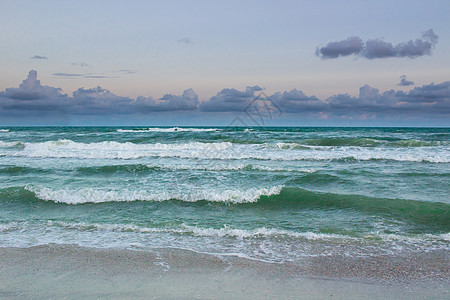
72, 272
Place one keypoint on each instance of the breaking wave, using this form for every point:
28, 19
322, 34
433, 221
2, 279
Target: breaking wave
220, 151
172, 129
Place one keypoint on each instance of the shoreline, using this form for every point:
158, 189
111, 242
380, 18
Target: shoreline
58, 271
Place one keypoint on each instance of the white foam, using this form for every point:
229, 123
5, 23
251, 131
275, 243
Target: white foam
91, 195
10, 144
4, 130
222, 151
9, 227
411, 238
116, 150
260, 232
225, 231
218, 166
173, 129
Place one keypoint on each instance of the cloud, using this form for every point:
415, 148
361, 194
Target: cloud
127, 71
33, 98
230, 100
98, 76
431, 93
88, 75
185, 41
67, 75
405, 82
112, 74
81, 64
100, 101
169, 102
39, 57
428, 102
31, 89
352, 45
296, 101
376, 48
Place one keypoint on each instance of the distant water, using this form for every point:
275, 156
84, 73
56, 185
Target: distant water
272, 194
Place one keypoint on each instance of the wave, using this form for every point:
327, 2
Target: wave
417, 143
423, 212
361, 142
370, 142
4, 130
287, 146
172, 129
432, 214
218, 151
16, 170
12, 144
227, 231
11, 226
111, 149
145, 168
91, 195
197, 231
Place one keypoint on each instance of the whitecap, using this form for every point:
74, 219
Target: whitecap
92, 195
172, 129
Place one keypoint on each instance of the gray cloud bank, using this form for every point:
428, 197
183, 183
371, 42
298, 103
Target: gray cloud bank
33, 99
377, 48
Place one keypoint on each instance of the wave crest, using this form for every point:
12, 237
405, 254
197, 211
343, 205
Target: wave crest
91, 195
172, 129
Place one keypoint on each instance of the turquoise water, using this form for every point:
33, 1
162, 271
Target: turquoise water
272, 194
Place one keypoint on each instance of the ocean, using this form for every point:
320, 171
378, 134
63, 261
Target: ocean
273, 194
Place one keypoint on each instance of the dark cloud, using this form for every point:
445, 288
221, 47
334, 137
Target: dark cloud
352, 45
169, 102
296, 101
187, 101
431, 93
376, 48
39, 57
426, 101
101, 101
405, 82
32, 99
230, 100
31, 89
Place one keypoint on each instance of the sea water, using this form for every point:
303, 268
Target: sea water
268, 193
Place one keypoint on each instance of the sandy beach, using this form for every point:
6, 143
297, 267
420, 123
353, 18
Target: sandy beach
72, 272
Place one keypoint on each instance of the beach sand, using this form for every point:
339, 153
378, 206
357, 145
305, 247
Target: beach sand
72, 272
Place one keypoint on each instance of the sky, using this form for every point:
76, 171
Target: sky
297, 63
